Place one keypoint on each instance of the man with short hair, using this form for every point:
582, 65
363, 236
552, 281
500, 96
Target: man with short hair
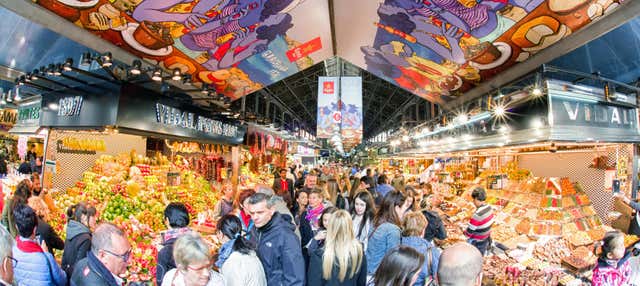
284, 187
107, 260
479, 229
460, 265
36, 265
278, 247
7, 262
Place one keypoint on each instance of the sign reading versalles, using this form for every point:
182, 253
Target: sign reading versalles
172, 116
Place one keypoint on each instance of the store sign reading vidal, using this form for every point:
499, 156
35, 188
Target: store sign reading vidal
568, 112
171, 116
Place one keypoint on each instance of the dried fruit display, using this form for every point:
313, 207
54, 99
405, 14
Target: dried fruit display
503, 233
567, 186
552, 251
524, 226
579, 238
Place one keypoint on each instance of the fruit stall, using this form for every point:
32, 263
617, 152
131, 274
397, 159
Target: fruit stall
132, 155
132, 192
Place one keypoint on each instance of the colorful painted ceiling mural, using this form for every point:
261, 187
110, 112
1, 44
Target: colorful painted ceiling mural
438, 49
236, 46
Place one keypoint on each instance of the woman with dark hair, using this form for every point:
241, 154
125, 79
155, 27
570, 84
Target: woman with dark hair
176, 218
300, 206
363, 212
81, 218
237, 258
400, 267
20, 196
386, 228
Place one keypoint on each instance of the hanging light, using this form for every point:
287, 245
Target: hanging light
17, 97
186, 79
157, 74
9, 96
536, 91
57, 71
499, 111
136, 67
106, 60
68, 63
34, 74
50, 69
53, 106
176, 74
27, 77
205, 88
86, 59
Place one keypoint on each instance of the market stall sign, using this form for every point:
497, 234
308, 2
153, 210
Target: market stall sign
70, 106
74, 145
174, 117
8, 116
28, 113
592, 114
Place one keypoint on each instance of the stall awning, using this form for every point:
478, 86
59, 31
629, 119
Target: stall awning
25, 130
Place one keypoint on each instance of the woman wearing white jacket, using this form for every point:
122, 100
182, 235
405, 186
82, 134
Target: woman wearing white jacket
237, 258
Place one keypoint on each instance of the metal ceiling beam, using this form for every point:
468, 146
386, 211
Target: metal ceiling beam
296, 97
384, 105
9, 74
625, 12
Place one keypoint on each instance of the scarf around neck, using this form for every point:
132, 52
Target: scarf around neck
314, 214
225, 251
27, 245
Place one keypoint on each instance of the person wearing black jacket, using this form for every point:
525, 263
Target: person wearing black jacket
176, 216
81, 218
107, 260
278, 246
435, 227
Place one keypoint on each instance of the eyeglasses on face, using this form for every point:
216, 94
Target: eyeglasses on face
124, 257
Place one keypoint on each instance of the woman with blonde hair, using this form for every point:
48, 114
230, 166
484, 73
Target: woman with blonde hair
413, 229
193, 261
44, 230
336, 197
341, 261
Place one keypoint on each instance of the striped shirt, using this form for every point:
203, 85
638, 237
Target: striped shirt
480, 225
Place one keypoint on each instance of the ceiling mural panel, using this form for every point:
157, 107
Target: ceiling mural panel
236, 46
438, 49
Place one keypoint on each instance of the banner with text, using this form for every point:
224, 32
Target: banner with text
351, 98
329, 115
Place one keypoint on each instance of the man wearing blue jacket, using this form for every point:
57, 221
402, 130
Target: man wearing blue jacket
37, 266
278, 246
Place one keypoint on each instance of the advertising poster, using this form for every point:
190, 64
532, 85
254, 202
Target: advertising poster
351, 97
439, 49
237, 47
329, 115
